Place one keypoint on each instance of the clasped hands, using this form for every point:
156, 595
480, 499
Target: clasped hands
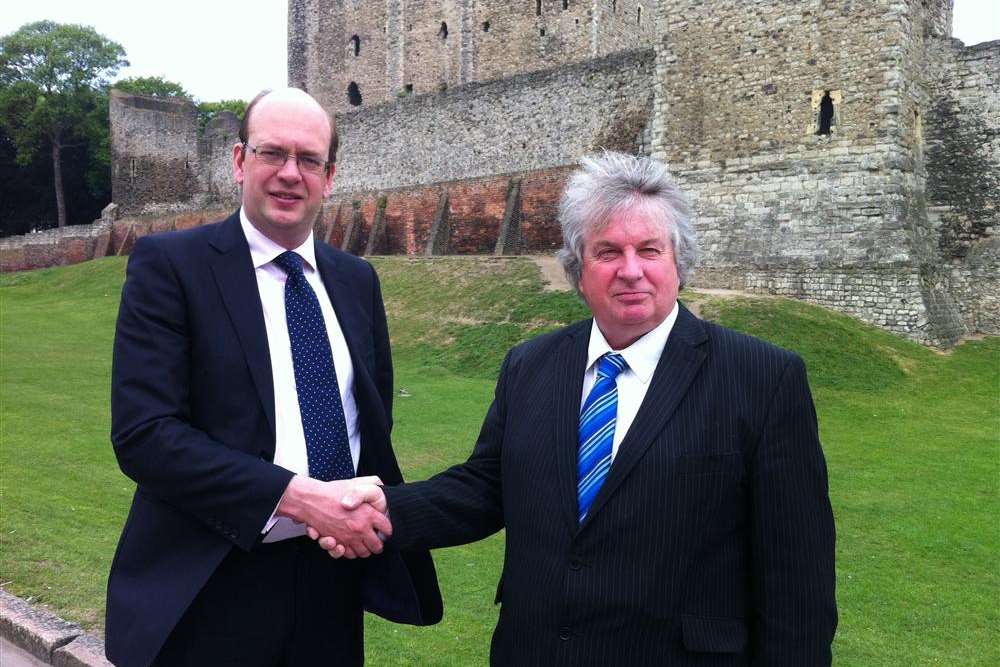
347, 516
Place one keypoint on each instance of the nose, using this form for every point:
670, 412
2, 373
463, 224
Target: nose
630, 267
290, 170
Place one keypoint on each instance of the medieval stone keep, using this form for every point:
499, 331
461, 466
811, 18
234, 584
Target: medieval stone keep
846, 153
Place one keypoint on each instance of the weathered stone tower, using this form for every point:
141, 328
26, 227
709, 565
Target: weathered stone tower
841, 152
154, 151
350, 53
161, 162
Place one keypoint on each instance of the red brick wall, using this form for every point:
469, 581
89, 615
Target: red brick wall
476, 210
476, 213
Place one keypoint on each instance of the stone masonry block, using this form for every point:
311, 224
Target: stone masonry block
84, 651
35, 630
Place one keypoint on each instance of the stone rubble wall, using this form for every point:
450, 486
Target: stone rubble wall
161, 164
154, 152
962, 132
838, 219
404, 50
534, 121
104, 238
215, 156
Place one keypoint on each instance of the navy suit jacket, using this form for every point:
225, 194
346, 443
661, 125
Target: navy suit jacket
711, 541
192, 407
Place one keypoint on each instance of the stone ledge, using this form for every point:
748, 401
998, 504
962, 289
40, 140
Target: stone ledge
46, 636
84, 651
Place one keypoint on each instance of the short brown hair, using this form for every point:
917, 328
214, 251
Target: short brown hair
245, 126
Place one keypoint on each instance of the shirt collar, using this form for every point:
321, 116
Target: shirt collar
263, 250
643, 355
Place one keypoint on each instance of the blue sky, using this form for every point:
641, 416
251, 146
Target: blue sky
221, 49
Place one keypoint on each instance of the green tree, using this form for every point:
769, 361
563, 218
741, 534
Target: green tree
152, 85
206, 110
53, 79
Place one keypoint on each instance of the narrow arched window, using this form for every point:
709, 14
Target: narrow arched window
443, 30
356, 45
354, 94
825, 114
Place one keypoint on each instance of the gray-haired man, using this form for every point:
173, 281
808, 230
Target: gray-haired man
660, 478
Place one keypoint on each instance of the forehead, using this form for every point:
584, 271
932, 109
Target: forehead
628, 227
298, 122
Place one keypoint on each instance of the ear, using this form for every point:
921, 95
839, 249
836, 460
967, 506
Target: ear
328, 184
239, 155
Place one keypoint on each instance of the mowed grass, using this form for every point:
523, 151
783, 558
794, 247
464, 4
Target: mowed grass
912, 439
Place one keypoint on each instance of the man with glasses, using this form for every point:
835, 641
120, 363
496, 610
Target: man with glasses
252, 390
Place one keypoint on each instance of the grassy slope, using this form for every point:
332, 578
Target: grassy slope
911, 439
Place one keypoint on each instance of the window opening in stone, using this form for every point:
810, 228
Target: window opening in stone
614, 6
356, 45
541, 32
486, 26
565, 4
638, 16
443, 30
408, 88
825, 114
354, 94
538, 7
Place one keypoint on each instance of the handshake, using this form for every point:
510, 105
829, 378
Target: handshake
347, 516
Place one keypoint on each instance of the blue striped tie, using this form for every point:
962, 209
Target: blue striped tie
597, 431
327, 446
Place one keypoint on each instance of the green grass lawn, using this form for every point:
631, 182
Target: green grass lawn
912, 439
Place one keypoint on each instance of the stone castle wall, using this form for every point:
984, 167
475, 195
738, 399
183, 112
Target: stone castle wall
388, 49
838, 218
215, 156
962, 137
533, 121
154, 159
160, 162
471, 119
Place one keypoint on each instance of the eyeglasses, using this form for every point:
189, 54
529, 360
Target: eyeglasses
276, 157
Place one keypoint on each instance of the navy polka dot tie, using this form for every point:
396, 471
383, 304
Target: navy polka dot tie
323, 421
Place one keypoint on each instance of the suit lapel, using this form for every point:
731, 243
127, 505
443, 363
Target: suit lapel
237, 282
674, 373
569, 364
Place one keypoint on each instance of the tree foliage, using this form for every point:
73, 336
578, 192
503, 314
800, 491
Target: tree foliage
207, 110
54, 132
53, 79
152, 85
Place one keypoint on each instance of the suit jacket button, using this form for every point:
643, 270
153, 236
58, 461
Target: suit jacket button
564, 634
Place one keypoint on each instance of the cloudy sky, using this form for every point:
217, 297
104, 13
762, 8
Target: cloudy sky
219, 49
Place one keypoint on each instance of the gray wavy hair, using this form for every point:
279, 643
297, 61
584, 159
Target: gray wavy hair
612, 183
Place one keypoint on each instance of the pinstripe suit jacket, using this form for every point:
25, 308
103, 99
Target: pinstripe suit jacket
711, 541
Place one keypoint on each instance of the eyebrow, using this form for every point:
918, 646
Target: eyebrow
643, 243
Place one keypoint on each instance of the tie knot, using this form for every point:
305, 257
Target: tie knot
611, 365
290, 262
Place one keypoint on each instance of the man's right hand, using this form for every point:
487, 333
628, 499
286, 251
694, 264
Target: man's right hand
322, 507
359, 497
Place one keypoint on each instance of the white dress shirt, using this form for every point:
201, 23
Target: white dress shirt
290, 439
642, 356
